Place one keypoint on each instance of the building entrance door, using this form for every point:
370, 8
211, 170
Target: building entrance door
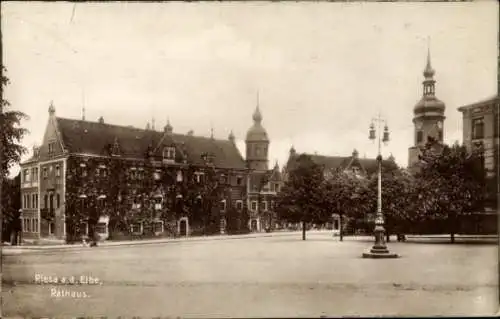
254, 225
183, 227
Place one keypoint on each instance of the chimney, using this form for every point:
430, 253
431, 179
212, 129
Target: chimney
190, 133
101, 120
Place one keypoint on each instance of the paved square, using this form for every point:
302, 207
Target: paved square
255, 277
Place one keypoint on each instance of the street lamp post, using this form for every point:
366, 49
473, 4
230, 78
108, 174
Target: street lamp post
379, 249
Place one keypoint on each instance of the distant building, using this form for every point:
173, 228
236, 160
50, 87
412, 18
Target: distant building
481, 122
359, 167
428, 117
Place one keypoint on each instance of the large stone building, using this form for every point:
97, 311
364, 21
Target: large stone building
428, 117
145, 179
481, 122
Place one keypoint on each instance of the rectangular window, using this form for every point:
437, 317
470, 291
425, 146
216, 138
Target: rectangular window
33, 203
420, 136
158, 227
223, 205
136, 228
254, 205
26, 177
58, 171
478, 128
45, 173
239, 180
272, 205
179, 176
169, 153
34, 174
58, 201
239, 205
36, 225
263, 205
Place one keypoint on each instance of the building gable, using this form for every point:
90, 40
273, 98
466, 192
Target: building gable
52, 143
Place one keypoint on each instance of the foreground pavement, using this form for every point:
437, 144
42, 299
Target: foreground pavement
277, 276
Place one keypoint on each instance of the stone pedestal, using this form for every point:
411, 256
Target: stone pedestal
379, 250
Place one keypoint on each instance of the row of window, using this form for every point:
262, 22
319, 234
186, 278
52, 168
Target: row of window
263, 205
273, 187
420, 136
30, 201
30, 225
30, 174
138, 228
51, 201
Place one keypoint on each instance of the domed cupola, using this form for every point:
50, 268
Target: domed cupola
257, 132
429, 104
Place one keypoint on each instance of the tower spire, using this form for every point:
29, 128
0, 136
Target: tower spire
257, 116
429, 71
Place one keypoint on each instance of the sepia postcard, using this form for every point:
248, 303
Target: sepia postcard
244, 159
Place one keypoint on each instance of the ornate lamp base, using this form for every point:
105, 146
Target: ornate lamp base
379, 250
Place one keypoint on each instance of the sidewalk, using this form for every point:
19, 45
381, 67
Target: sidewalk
146, 241
435, 239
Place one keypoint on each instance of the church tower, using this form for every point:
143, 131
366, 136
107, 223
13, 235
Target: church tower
257, 144
428, 115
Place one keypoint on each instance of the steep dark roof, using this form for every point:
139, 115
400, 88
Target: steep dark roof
335, 162
95, 138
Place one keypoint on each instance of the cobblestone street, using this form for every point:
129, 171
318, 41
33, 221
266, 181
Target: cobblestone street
254, 277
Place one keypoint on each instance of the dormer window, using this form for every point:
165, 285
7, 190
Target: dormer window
52, 147
169, 153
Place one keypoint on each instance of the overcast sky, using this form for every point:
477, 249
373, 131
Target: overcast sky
323, 70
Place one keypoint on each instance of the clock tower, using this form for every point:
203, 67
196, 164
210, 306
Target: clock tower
428, 116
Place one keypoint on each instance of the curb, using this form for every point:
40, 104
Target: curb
139, 242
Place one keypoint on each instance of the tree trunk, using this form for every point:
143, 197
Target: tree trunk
387, 236
303, 230
341, 229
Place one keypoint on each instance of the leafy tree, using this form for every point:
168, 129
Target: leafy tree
11, 201
11, 134
398, 200
345, 195
457, 180
302, 195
